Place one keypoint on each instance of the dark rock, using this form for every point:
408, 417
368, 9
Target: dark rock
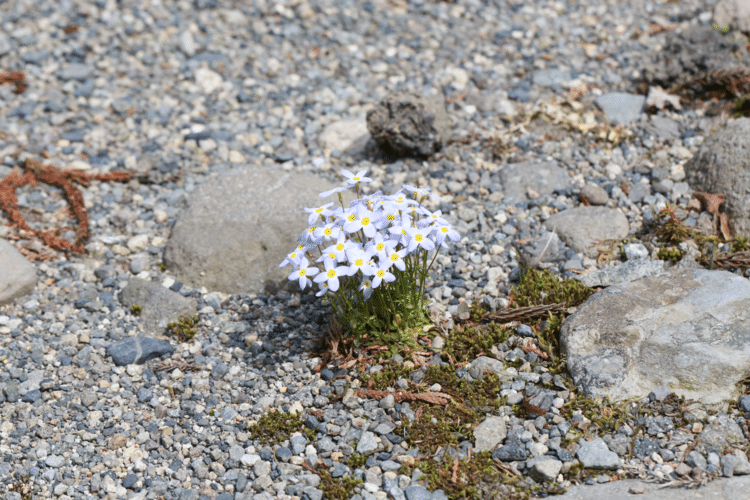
408, 124
138, 350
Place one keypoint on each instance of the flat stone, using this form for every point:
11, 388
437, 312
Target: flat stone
239, 225
138, 350
733, 488
489, 433
732, 14
542, 177
621, 107
76, 71
545, 470
552, 77
484, 363
367, 444
628, 271
719, 435
722, 166
17, 274
595, 195
349, 136
735, 463
595, 455
582, 227
160, 306
686, 329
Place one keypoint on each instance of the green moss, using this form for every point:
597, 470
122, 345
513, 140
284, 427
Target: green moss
310, 433
136, 310
275, 426
671, 254
467, 342
184, 328
386, 378
337, 488
356, 461
162, 266
543, 288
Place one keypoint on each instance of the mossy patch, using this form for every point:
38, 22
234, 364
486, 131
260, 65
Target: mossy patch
184, 328
136, 310
275, 426
340, 488
467, 342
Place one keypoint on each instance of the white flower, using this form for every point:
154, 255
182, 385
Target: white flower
318, 214
341, 189
381, 275
396, 258
380, 247
294, 257
366, 287
432, 218
360, 218
358, 177
323, 289
331, 275
337, 252
308, 237
327, 231
359, 261
443, 232
401, 201
420, 191
419, 238
302, 272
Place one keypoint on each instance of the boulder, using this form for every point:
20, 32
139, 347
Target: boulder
729, 14
240, 225
692, 52
17, 275
409, 124
582, 228
722, 166
349, 136
687, 329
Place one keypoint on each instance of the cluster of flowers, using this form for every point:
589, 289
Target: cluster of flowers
376, 235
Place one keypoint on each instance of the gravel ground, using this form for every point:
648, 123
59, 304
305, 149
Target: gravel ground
178, 90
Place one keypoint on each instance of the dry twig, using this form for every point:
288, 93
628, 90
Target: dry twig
437, 398
523, 313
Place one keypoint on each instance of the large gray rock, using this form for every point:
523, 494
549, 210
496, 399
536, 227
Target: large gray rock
489, 433
687, 329
692, 52
627, 271
733, 14
409, 124
595, 455
349, 136
17, 275
239, 226
722, 166
582, 228
160, 306
541, 177
719, 489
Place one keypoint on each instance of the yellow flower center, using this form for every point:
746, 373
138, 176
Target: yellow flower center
340, 247
355, 178
328, 231
444, 229
352, 217
380, 247
302, 272
332, 273
319, 210
310, 230
293, 255
358, 262
391, 217
300, 247
394, 257
418, 237
332, 255
381, 273
365, 221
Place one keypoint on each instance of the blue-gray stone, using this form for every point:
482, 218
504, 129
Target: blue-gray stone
138, 350
283, 454
298, 444
396, 493
189, 495
620, 107
368, 443
339, 470
11, 392
129, 481
525, 331
144, 395
595, 455
326, 374
32, 396
76, 71
224, 496
85, 89
220, 370
745, 402
696, 460
241, 483
552, 77
73, 136
417, 492
311, 493
513, 452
